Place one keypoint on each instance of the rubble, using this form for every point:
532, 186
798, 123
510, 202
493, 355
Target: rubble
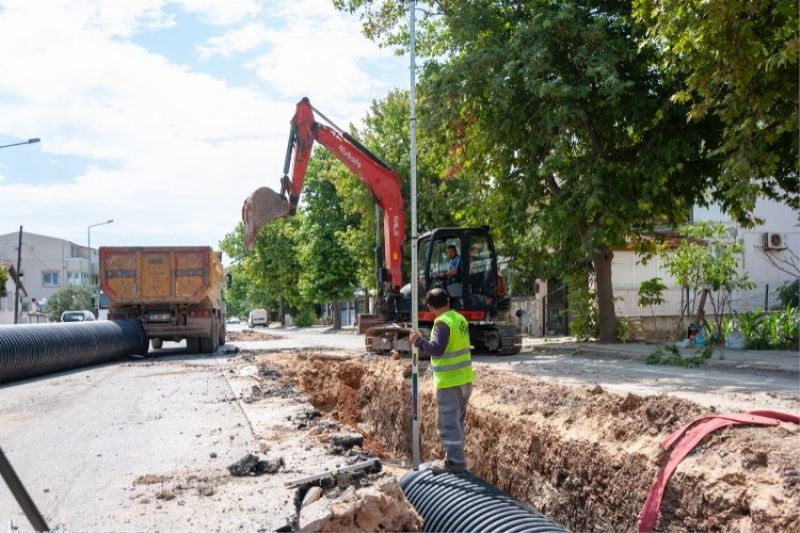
250, 464
381, 506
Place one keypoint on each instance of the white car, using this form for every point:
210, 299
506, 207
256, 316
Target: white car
232, 320
257, 317
77, 316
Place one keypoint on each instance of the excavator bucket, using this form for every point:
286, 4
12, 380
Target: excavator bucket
259, 209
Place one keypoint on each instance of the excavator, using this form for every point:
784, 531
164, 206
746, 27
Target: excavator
476, 289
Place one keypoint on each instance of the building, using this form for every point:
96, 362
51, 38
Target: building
770, 257
48, 264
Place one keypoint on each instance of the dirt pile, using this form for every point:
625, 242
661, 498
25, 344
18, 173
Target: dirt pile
250, 335
584, 457
379, 506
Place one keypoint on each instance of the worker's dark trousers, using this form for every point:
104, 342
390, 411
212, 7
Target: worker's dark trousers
451, 417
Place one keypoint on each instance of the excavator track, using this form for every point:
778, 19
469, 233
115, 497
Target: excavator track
510, 339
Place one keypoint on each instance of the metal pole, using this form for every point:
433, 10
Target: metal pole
21, 495
413, 277
16, 285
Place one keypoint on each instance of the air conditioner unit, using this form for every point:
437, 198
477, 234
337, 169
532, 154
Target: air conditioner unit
774, 241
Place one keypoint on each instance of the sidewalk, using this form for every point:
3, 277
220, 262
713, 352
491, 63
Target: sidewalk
776, 360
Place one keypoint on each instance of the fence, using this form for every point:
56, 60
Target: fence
762, 296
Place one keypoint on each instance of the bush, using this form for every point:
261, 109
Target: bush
765, 331
71, 298
790, 294
305, 318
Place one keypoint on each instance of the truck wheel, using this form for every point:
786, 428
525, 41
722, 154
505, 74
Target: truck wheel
157, 343
209, 345
193, 345
222, 334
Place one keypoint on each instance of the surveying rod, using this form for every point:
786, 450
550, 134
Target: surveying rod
413, 277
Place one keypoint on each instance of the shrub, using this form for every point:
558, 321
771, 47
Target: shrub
305, 318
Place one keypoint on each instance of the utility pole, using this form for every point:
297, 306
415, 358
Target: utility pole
16, 285
413, 277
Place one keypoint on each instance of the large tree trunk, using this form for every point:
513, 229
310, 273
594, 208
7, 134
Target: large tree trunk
606, 315
337, 315
282, 311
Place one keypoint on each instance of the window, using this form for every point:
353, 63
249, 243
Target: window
50, 279
74, 278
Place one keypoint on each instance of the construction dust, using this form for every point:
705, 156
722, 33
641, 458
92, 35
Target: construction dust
582, 456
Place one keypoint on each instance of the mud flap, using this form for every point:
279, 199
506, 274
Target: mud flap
259, 209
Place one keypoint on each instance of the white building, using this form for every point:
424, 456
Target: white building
10, 290
765, 248
48, 264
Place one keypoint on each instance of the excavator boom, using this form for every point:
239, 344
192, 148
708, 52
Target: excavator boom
265, 205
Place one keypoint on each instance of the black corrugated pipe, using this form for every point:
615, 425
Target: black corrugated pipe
455, 502
31, 350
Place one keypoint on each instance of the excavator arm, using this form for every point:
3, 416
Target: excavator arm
263, 206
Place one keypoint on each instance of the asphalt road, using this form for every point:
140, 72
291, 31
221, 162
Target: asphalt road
129, 446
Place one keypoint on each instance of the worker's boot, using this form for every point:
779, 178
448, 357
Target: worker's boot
440, 467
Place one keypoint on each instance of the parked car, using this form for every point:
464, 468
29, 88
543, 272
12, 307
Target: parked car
257, 317
233, 320
77, 316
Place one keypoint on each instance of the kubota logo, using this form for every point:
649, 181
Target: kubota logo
349, 156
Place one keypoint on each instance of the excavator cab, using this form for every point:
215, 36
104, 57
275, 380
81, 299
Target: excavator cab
462, 261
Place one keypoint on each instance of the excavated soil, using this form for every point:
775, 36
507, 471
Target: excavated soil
584, 457
251, 335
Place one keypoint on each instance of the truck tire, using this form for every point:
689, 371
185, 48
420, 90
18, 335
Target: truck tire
209, 345
222, 334
156, 343
193, 345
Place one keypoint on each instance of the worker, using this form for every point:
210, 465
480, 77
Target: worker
453, 276
451, 362
453, 265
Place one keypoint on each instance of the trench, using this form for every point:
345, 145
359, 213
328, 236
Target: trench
583, 457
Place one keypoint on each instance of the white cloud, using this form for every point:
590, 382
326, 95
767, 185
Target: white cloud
240, 40
222, 12
186, 148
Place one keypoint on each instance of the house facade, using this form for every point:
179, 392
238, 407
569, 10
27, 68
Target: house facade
48, 264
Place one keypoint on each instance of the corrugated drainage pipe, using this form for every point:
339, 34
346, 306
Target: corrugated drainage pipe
30, 350
455, 502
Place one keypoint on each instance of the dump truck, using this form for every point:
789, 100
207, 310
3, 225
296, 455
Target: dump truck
175, 292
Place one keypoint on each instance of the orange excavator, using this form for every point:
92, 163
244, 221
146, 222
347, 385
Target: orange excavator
460, 260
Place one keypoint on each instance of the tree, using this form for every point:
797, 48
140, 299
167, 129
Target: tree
707, 262
737, 61
329, 271
555, 111
70, 298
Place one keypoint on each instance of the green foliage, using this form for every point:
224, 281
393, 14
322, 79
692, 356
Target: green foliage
624, 329
237, 298
70, 298
707, 261
329, 270
3, 280
305, 318
770, 331
789, 294
651, 292
583, 323
556, 118
736, 63
671, 356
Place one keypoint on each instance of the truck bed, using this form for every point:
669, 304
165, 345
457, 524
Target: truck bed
160, 275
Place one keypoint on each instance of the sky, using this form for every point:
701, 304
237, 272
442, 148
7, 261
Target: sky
164, 115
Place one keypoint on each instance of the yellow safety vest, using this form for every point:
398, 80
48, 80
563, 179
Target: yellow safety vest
454, 366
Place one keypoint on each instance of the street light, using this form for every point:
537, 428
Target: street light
29, 141
89, 245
